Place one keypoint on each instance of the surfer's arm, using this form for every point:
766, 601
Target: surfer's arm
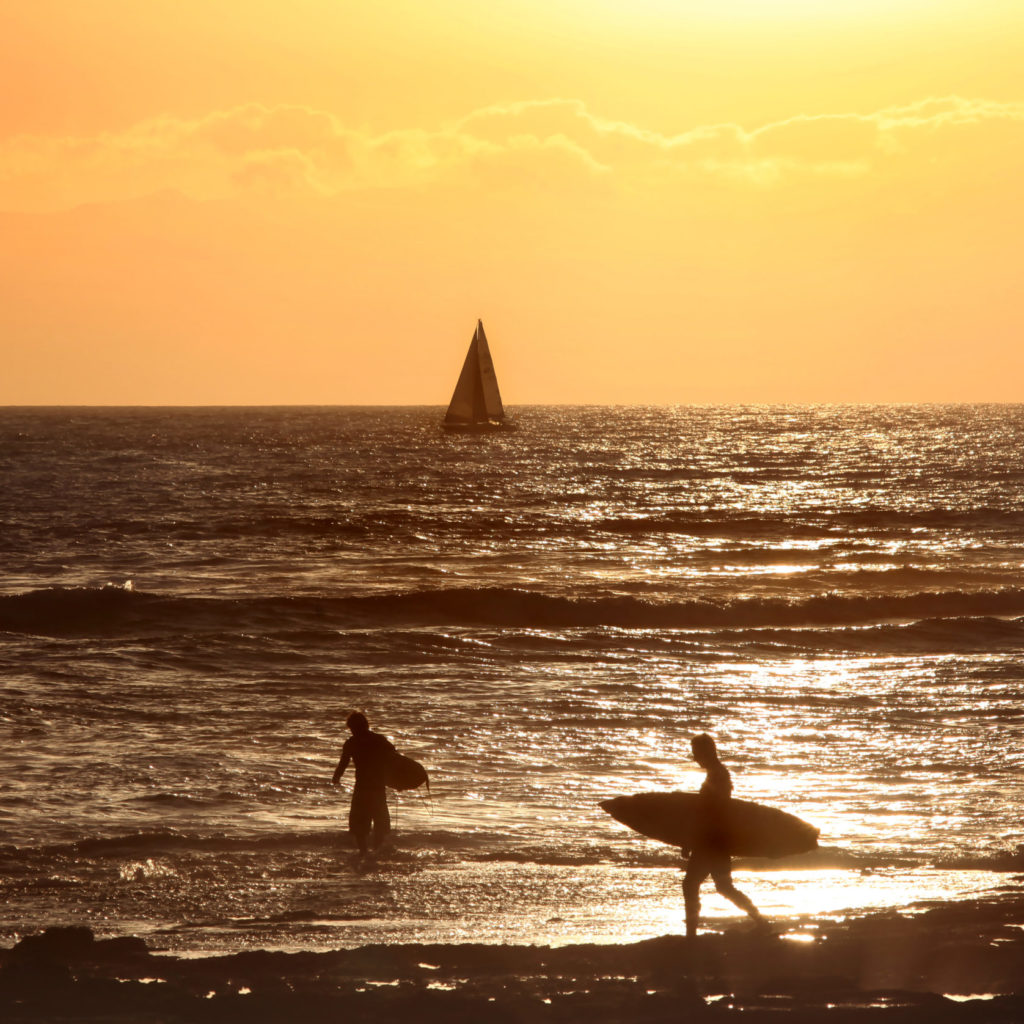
342, 764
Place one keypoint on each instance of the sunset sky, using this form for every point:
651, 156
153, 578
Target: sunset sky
657, 201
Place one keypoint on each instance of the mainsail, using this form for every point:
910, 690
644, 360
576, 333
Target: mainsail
476, 398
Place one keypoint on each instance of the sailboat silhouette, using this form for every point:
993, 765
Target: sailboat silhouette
476, 401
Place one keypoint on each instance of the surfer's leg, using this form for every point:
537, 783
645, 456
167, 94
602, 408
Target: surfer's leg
359, 819
696, 872
381, 818
722, 876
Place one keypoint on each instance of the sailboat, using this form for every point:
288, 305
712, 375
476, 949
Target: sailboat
476, 402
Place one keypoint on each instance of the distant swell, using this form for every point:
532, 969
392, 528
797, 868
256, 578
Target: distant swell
873, 522
115, 612
960, 633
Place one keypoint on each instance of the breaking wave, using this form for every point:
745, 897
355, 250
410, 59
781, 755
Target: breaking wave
114, 611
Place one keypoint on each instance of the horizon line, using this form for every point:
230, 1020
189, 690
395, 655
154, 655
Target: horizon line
523, 405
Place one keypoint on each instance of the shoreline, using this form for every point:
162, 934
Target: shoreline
957, 962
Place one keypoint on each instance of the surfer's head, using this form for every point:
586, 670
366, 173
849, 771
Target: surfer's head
704, 750
357, 722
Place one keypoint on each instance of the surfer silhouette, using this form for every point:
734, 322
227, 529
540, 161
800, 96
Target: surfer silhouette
709, 854
371, 753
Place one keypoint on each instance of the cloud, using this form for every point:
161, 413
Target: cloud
289, 149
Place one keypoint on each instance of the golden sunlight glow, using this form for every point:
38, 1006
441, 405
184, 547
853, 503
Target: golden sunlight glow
739, 200
768, 10
651, 900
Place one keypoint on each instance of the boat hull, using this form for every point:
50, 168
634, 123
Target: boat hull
486, 427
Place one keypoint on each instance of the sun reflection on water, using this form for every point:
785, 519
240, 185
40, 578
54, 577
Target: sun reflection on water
568, 904
649, 907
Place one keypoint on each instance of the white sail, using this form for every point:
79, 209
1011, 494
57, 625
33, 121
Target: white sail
476, 398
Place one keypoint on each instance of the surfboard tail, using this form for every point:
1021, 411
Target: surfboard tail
405, 773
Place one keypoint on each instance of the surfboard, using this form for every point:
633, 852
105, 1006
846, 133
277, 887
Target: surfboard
750, 829
405, 773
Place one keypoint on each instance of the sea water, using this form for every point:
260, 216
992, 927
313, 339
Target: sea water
192, 600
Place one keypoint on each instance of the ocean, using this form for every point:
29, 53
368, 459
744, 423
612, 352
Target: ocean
192, 600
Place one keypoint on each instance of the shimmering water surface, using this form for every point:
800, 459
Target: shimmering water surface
543, 618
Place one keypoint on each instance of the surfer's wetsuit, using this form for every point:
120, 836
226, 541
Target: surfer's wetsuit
368, 811
710, 855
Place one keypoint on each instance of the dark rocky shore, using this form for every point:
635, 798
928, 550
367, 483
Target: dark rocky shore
962, 962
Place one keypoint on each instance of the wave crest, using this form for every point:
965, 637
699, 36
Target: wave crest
118, 611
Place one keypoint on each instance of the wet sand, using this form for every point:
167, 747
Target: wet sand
960, 962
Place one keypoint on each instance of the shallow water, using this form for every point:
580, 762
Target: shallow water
543, 618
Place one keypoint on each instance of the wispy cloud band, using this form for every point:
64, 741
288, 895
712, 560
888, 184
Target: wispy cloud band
286, 149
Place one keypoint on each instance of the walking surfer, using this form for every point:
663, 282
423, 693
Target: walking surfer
710, 852
372, 754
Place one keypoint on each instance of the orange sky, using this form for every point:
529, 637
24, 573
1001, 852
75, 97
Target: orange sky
311, 201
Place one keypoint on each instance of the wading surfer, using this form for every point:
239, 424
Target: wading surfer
371, 753
710, 854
